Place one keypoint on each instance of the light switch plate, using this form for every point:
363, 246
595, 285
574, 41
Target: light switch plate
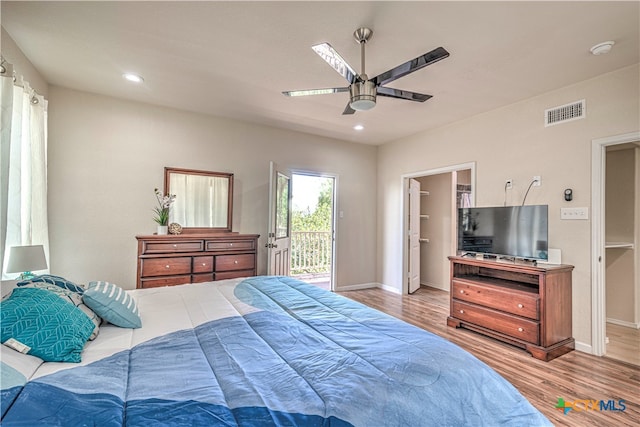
574, 213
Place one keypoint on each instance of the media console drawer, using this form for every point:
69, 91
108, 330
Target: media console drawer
517, 327
510, 300
528, 306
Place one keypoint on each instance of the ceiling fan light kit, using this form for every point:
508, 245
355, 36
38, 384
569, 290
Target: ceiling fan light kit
363, 95
362, 90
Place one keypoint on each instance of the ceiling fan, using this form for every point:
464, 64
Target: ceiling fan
362, 90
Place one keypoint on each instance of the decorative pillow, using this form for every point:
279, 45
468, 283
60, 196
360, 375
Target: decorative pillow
55, 330
72, 297
54, 280
113, 304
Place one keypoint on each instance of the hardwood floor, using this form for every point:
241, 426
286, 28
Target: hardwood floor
573, 376
624, 343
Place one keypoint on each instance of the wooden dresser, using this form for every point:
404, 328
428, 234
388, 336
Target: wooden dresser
524, 305
168, 260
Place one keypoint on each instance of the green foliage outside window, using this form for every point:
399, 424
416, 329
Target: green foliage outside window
311, 237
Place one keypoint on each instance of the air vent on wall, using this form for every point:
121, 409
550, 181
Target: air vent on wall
565, 113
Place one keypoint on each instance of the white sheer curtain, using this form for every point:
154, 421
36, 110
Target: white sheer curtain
196, 199
23, 159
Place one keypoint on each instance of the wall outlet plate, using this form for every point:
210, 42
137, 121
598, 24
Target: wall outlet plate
574, 213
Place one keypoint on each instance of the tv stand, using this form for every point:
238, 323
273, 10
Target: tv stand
524, 305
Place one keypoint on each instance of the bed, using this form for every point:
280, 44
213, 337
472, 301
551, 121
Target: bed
260, 351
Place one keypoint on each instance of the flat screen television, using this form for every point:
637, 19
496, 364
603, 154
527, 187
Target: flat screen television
512, 231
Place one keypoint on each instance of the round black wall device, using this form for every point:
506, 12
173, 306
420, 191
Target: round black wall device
568, 194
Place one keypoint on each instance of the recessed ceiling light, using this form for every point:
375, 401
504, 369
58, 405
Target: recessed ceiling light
133, 77
358, 127
602, 48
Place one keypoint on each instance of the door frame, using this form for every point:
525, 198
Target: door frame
598, 253
404, 202
334, 210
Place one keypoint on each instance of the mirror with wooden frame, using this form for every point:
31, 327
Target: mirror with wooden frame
204, 199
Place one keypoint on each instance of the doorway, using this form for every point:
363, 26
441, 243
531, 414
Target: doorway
312, 228
616, 257
431, 228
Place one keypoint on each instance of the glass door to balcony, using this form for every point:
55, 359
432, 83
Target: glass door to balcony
312, 228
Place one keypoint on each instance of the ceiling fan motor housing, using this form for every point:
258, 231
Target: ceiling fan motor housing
363, 95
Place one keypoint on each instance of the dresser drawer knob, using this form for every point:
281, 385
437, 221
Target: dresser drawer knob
175, 246
520, 305
520, 330
235, 262
167, 266
204, 264
461, 291
461, 311
230, 244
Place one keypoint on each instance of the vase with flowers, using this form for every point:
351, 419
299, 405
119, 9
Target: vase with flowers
162, 210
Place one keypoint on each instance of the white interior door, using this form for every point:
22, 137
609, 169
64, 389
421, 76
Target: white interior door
414, 235
279, 235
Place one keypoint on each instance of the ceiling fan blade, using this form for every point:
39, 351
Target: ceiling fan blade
348, 109
411, 66
308, 92
402, 94
333, 58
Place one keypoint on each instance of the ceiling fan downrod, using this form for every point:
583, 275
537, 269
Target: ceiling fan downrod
363, 91
362, 36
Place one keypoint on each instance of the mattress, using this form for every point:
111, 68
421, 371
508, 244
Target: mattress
260, 351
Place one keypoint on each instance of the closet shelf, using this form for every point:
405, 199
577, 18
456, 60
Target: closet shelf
618, 245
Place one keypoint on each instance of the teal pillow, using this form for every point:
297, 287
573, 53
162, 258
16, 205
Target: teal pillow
113, 304
71, 297
55, 330
54, 280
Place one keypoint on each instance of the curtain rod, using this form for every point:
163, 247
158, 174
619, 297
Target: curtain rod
7, 69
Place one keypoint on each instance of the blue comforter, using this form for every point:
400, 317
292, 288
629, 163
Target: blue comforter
295, 355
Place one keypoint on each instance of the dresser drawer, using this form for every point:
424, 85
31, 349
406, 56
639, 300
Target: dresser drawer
203, 264
165, 266
234, 274
170, 247
235, 262
517, 327
202, 277
165, 281
229, 245
520, 303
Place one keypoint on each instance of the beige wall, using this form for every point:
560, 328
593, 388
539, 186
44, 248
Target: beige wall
512, 143
12, 53
106, 156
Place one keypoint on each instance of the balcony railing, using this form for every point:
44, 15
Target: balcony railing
310, 252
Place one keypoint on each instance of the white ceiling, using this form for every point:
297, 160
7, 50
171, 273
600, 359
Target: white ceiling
233, 59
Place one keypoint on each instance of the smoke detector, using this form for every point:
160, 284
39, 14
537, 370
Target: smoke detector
602, 48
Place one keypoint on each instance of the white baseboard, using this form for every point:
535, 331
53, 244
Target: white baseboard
623, 323
390, 289
360, 286
435, 286
585, 348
